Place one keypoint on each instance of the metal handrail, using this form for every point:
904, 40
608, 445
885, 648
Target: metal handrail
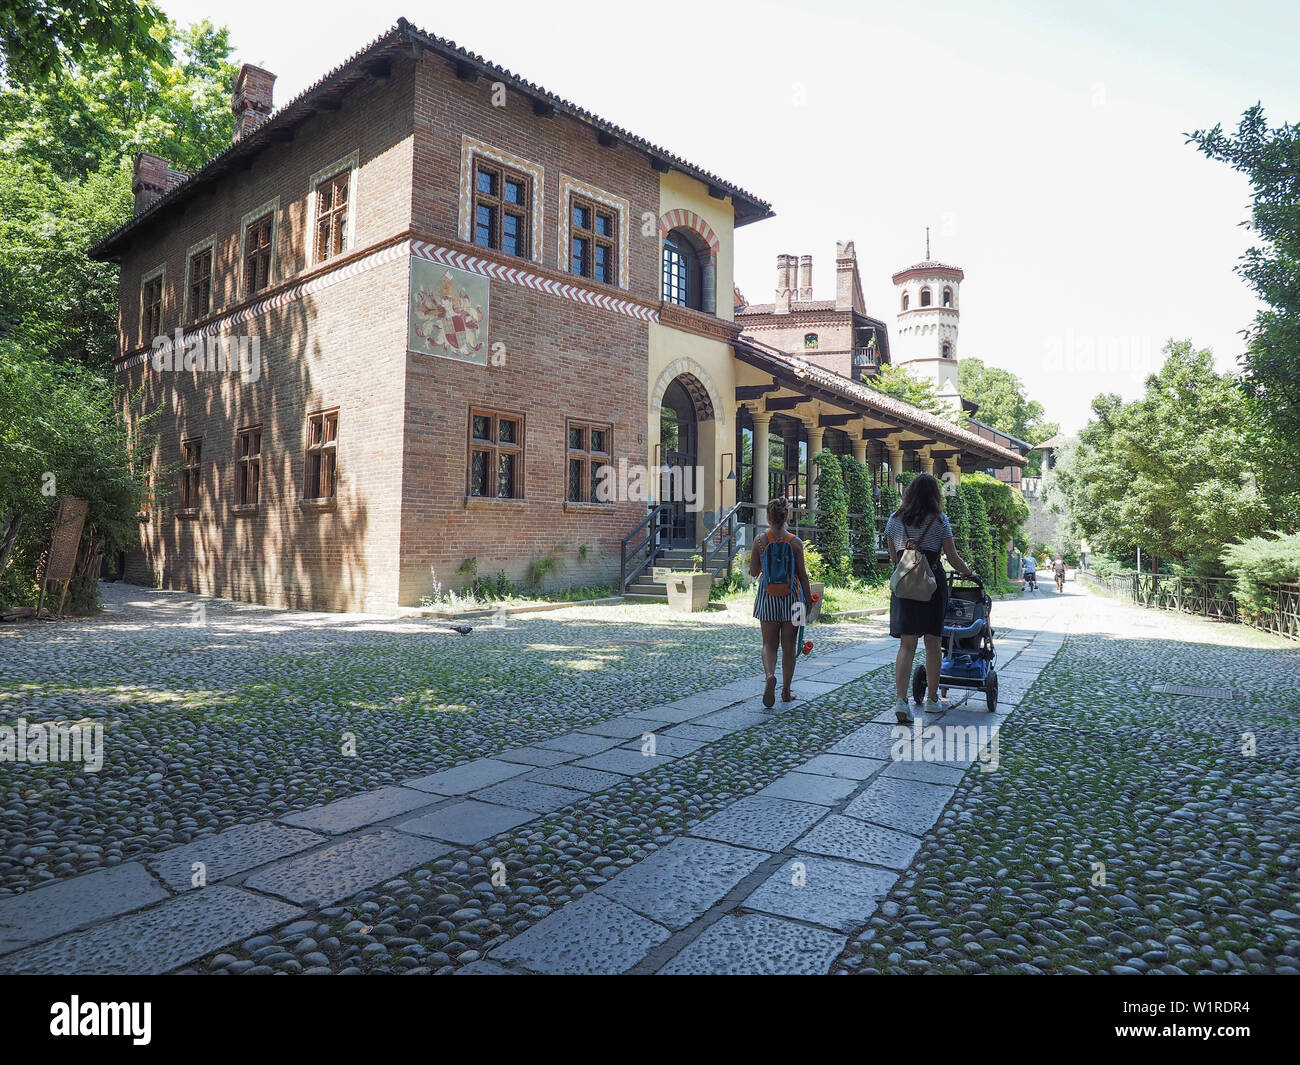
654, 519
729, 542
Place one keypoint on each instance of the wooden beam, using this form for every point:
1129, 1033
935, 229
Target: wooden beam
877, 434
466, 71
755, 391
835, 420
607, 140
785, 402
658, 165
717, 193
543, 108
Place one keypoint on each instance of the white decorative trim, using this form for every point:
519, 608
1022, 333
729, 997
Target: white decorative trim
570, 185
209, 243
517, 276
435, 253
271, 207
470, 147
158, 271
673, 371
351, 160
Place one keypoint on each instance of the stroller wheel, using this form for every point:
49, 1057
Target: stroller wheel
918, 684
991, 689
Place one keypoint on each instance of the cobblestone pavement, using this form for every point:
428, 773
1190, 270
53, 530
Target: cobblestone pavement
689, 833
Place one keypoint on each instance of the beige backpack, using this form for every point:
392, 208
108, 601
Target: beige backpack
912, 577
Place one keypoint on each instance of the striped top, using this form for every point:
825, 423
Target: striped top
939, 531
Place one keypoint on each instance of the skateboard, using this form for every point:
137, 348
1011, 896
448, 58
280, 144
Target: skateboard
802, 646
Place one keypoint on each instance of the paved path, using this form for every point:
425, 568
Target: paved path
699, 835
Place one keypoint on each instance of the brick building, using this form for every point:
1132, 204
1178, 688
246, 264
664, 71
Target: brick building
460, 298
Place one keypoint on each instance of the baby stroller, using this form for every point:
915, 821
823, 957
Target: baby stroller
969, 657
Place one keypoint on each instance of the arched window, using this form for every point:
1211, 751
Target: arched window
906, 300
947, 297
947, 350
685, 260
810, 340
925, 297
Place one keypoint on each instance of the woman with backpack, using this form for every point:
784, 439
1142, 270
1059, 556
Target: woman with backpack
920, 524
784, 593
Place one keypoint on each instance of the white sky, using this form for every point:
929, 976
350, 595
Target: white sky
1041, 142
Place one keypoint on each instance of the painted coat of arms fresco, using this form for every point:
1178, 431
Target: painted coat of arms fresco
448, 312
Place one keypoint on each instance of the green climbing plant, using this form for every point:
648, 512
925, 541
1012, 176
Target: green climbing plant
833, 519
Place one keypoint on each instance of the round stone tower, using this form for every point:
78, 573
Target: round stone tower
929, 313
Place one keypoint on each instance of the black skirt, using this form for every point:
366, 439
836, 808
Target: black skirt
916, 617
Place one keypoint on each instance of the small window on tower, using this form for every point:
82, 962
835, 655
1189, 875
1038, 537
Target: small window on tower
906, 300
925, 297
947, 350
810, 340
947, 297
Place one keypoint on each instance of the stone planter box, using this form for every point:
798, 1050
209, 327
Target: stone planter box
815, 611
688, 593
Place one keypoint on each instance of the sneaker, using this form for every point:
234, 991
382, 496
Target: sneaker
902, 711
934, 707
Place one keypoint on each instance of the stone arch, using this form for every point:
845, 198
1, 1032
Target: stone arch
684, 219
699, 386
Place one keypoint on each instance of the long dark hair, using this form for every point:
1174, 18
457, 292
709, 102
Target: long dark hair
921, 501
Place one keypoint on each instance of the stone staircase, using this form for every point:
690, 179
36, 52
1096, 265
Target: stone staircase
645, 590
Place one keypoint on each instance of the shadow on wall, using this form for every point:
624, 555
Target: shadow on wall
282, 554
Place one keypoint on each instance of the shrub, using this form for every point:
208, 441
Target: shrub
981, 543
1257, 563
862, 523
954, 505
833, 518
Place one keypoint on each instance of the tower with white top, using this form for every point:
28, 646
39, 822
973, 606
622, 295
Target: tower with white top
929, 313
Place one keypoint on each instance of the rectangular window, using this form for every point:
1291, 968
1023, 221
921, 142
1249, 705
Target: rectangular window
595, 238
257, 254
200, 284
248, 468
322, 446
151, 307
502, 208
332, 215
191, 459
590, 447
496, 455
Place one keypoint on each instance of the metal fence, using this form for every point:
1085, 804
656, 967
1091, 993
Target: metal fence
1208, 597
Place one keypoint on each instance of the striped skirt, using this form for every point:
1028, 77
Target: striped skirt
774, 607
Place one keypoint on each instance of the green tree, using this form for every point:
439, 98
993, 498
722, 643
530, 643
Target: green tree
1004, 404
981, 558
833, 517
39, 39
901, 384
1270, 158
1179, 473
862, 523
65, 177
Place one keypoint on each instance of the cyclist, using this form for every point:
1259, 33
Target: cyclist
1029, 572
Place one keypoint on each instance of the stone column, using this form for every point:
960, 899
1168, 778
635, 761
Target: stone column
954, 467
895, 460
815, 436
927, 461
762, 422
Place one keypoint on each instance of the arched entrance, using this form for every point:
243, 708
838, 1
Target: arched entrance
679, 439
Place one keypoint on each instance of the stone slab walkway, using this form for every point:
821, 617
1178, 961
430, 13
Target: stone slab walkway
793, 866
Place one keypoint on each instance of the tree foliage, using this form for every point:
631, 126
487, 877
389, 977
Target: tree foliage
833, 518
39, 39
1181, 472
862, 523
1270, 158
65, 178
1258, 563
902, 384
1004, 404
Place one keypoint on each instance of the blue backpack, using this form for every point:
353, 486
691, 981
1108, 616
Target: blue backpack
778, 566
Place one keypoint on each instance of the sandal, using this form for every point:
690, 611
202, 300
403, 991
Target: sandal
769, 693
788, 696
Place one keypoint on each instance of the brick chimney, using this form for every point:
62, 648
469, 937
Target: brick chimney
805, 277
251, 101
149, 180
848, 285
785, 279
